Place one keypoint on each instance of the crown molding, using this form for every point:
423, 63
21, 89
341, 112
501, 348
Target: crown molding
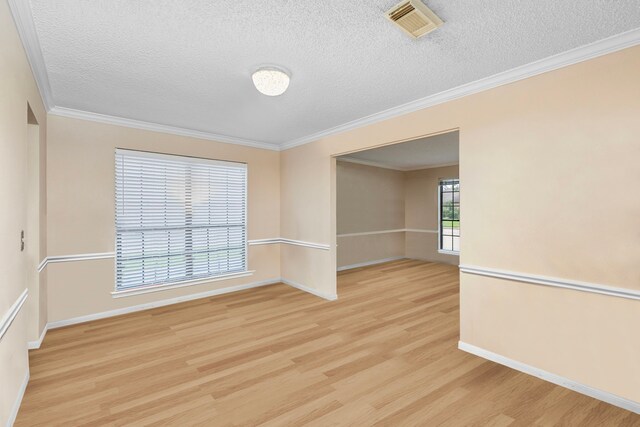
347, 159
21, 12
443, 165
23, 19
564, 59
155, 127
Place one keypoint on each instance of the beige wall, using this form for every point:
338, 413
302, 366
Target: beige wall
368, 199
81, 211
17, 89
421, 213
541, 156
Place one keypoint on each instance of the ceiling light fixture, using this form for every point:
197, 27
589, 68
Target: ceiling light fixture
270, 81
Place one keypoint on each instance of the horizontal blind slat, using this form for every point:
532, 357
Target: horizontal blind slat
177, 218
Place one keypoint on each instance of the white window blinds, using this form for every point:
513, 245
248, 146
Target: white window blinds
178, 218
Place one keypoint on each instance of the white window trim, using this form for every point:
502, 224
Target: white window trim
440, 250
119, 293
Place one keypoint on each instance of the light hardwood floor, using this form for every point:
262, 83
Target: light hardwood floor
384, 354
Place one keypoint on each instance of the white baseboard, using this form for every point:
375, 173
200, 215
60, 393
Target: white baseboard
16, 405
161, 303
367, 263
330, 297
604, 396
34, 345
451, 261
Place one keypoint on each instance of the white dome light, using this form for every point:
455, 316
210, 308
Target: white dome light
270, 81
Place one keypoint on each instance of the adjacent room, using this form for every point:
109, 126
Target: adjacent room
277, 213
399, 201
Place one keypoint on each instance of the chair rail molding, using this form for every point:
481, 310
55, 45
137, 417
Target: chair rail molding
285, 241
76, 257
395, 230
8, 318
107, 255
552, 281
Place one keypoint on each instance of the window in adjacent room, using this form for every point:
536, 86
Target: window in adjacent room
178, 219
449, 216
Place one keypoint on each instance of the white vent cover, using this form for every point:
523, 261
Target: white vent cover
414, 18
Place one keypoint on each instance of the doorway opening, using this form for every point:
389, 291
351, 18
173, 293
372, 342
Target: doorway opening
399, 201
34, 234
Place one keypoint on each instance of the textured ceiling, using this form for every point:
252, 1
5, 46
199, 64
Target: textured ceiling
188, 63
438, 150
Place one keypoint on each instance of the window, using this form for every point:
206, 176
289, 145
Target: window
449, 205
178, 219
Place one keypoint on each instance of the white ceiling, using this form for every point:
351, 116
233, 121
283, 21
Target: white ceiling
187, 63
433, 151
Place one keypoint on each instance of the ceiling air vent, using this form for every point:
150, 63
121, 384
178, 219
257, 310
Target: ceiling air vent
414, 18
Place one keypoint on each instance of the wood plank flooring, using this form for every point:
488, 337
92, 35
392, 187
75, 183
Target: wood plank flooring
384, 354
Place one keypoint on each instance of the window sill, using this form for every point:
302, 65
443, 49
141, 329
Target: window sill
164, 287
445, 252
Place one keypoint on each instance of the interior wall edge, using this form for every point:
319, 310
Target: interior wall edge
552, 282
324, 295
604, 396
34, 345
